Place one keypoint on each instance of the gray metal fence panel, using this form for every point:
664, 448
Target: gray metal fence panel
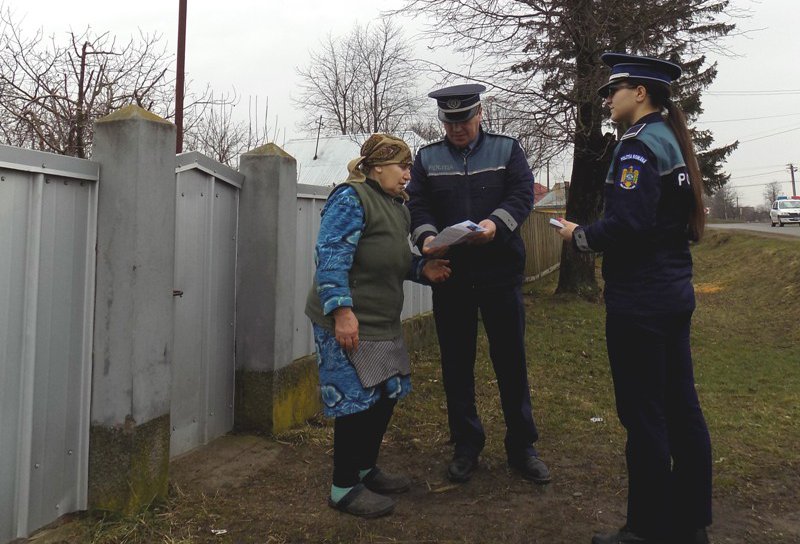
205, 267
48, 207
223, 310
15, 191
310, 201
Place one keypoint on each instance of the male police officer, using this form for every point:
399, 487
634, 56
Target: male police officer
473, 174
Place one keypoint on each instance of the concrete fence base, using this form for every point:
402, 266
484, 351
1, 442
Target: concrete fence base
275, 402
129, 465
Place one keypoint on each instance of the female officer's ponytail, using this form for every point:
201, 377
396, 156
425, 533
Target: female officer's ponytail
676, 120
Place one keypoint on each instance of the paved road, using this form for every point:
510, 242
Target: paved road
788, 230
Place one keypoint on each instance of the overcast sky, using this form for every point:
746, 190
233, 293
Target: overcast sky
255, 47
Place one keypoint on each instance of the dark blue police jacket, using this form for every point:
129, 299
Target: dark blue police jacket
647, 266
492, 180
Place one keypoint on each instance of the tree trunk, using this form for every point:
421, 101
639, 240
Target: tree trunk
592, 155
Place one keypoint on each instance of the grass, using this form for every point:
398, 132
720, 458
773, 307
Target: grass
746, 347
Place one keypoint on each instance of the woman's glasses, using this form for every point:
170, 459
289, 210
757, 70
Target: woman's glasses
614, 88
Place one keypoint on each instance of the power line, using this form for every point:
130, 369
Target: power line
759, 184
759, 167
770, 92
769, 135
750, 118
757, 175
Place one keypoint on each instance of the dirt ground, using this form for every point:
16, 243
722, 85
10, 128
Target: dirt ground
261, 490
273, 490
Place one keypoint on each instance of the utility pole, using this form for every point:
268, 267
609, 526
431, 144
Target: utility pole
319, 129
792, 170
548, 176
179, 76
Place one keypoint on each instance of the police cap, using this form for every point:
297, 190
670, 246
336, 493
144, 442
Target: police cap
458, 103
624, 66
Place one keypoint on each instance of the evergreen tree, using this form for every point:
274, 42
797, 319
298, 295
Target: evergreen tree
544, 55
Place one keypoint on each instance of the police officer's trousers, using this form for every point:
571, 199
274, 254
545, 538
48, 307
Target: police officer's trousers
502, 310
668, 449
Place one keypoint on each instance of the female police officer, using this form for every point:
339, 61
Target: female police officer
653, 209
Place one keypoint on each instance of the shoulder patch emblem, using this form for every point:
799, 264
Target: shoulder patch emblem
634, 131
630, 178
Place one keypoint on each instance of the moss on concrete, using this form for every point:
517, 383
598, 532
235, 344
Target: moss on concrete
270, 149
253, 403
296, 394
128, 465
132, 112
273, 402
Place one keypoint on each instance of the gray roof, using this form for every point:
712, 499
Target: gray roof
333, 154
555, 199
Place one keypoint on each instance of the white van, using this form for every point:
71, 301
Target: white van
785, 210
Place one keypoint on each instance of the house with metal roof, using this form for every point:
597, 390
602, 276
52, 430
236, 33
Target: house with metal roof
556, 199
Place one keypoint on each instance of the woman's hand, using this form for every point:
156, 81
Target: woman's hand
566, 232
346, 328
436, 270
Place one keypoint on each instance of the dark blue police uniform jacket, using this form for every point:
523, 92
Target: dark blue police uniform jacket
647, 266
491, 180
649, 300
448, 185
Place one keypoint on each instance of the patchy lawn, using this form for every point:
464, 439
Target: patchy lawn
747, 359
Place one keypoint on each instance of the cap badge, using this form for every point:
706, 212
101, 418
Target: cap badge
453, 103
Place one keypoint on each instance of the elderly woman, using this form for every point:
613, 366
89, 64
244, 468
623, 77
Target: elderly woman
363, 256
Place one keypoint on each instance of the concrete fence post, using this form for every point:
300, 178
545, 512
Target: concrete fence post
272, 392
133, 336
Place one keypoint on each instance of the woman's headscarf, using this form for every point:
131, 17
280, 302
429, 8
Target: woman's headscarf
378, 150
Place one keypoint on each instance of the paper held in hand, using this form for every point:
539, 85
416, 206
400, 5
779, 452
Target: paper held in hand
456, 234
556, 224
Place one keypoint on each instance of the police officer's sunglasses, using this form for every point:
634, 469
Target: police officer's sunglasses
614, 88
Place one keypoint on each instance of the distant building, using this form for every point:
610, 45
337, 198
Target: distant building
539, 191
556, 199
329, 168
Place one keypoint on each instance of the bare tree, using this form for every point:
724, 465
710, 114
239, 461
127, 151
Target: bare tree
723, 203
52, 92
542, 58
427, 128
218, 135
771, 193
361, 83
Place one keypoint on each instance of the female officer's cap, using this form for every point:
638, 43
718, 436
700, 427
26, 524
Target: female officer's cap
625, 66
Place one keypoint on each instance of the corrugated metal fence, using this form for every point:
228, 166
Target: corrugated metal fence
48, 210
48, 228
207, 203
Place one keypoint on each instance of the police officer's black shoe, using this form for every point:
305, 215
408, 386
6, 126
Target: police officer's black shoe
461, 468
691, 536
532, 468
623, 536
